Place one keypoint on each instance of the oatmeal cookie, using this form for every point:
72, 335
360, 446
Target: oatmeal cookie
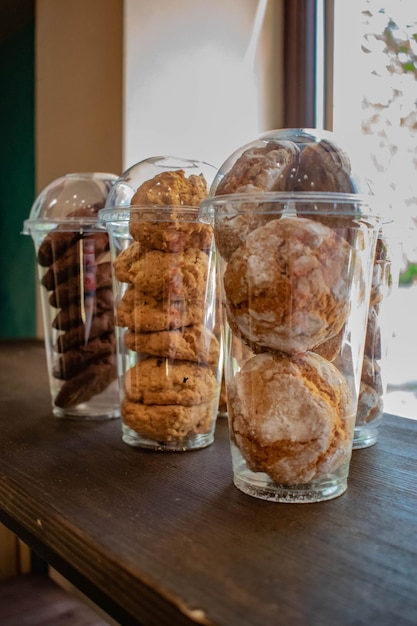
157, 380
125, 260
173, 276
168, 422
171, 188
147, 314
190, 343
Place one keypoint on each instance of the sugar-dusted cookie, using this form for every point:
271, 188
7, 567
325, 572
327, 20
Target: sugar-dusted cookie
287, 287
291, 416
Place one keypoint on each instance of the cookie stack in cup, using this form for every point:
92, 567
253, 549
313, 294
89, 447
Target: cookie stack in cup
296, 246
166, 313
74, 269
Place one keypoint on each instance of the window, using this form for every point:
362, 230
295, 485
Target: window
375, 114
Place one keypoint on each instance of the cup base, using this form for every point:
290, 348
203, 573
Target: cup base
365, 437
86, 413
194, 442
260, 485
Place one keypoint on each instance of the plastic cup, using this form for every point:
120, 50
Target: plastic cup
379, 334
168, 331
75, 282
295, 274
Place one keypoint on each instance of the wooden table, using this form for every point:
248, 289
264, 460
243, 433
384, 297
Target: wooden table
166, 539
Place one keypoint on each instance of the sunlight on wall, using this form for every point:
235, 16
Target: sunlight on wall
193, 77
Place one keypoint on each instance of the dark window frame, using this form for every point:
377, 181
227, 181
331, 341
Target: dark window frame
300, 63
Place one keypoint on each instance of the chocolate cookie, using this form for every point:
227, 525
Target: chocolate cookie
75, 288
77, 358
76, 256
73, 315
79, 335
91, 381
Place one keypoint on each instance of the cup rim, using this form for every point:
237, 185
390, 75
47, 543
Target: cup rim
365, 206
293, 196
65, 223
165, 212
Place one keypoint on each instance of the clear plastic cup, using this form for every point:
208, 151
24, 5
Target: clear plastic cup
168, 327
379, 333
295, 273
75, 281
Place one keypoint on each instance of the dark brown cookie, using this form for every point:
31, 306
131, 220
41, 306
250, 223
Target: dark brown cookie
75, 359
91, 381
71, 290
78, 335
79, 254
55, 244
72, 316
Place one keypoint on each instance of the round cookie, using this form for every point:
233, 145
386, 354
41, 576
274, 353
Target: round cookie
174, 231
146, 314
287, 416
373, 347
168, 422
91, 381
160, 381
78, 335
173, 276
125, 260
172, 234
261, 168
323, 167
258, 169
287, 286
73, 316
78, 357
171, 188
68, 265
371, 374
191, 343
71, 290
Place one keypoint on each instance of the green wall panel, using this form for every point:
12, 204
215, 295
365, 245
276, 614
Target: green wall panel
17, 179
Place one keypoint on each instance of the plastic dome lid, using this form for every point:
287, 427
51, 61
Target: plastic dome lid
290, 160
73, 198
151, 170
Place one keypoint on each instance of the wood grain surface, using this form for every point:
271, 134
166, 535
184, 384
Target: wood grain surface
165, 538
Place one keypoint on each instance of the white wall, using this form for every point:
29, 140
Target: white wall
199, 77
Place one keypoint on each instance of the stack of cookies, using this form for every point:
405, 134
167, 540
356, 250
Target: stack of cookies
77, 273
287, 294
287, 289
370, 405
168, 314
